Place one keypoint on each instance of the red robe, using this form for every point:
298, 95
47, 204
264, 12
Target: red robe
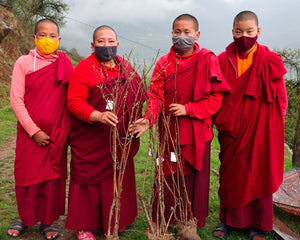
41, 172
199, 85
92, 160
45, 99
251, 128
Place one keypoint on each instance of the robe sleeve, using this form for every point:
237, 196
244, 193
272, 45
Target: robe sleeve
155, 94
17, 94
206, 107
78, 93
276, 72
282, 97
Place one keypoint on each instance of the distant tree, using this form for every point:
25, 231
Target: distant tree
73, 53
29, 11
291, 60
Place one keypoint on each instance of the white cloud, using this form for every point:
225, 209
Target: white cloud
149, 22
127, 11
233, 1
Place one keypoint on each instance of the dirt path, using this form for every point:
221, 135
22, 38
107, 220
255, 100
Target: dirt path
7, 154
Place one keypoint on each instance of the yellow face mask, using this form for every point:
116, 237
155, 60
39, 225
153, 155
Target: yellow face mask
46, 45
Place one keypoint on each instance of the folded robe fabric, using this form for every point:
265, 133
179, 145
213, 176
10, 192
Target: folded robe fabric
45, 99
199, 76
251, 129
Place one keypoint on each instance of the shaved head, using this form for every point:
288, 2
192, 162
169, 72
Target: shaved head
245, 16
102, 28
187, 17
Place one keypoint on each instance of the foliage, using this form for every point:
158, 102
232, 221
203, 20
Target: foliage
291, 60
31, 10
292, 111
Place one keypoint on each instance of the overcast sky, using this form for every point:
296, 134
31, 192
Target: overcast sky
144, 26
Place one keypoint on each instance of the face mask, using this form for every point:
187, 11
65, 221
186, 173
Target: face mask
183, 42
106, 53
46, 45
245, 43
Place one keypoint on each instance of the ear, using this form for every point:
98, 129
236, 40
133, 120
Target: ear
258, 31
197, 36
33, 35
59, 38
118, 44
93, 46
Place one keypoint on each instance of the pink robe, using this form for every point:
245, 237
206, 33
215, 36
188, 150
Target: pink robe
41, 172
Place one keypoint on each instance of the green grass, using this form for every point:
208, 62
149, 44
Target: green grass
8, 209
7, 124
133, 231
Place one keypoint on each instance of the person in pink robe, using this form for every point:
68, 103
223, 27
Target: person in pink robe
39, 100
187, 86
250, 124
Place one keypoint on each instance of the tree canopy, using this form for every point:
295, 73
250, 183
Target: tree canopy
32, 10
291, 60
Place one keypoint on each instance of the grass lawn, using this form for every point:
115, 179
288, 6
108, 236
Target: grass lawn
8, 209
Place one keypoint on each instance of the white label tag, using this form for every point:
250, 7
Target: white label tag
110, 105
157, 161
173, 157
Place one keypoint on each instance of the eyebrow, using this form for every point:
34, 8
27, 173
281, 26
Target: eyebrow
250, 28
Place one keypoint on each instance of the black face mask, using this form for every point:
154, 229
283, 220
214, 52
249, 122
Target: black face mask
106, 53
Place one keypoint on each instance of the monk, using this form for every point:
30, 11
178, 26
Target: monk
104, 92
39, 101
251, 131
187, 86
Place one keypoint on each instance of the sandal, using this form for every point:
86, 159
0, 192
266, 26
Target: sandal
50, 228
252, 233
17, 226
85, 235
222, 227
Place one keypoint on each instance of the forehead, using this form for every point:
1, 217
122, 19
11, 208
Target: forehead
245, 24
184, 24
47, 27
105, 33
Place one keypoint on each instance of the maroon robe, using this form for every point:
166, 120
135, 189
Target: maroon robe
45, 99
193, 82
199, 77
92, 160
251, 130
41, 172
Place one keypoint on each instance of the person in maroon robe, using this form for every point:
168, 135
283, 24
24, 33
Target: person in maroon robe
250, 125
104, 92
39, 101
187, 87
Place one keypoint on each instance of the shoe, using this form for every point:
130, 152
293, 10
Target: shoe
15, 226
49, 228
85, 235
252, 233
222, 227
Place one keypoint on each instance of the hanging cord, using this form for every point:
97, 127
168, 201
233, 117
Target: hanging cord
34, 61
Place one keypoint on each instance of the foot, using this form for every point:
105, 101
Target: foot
16, 230
255, 235
221, 231
50, 232
85, 235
